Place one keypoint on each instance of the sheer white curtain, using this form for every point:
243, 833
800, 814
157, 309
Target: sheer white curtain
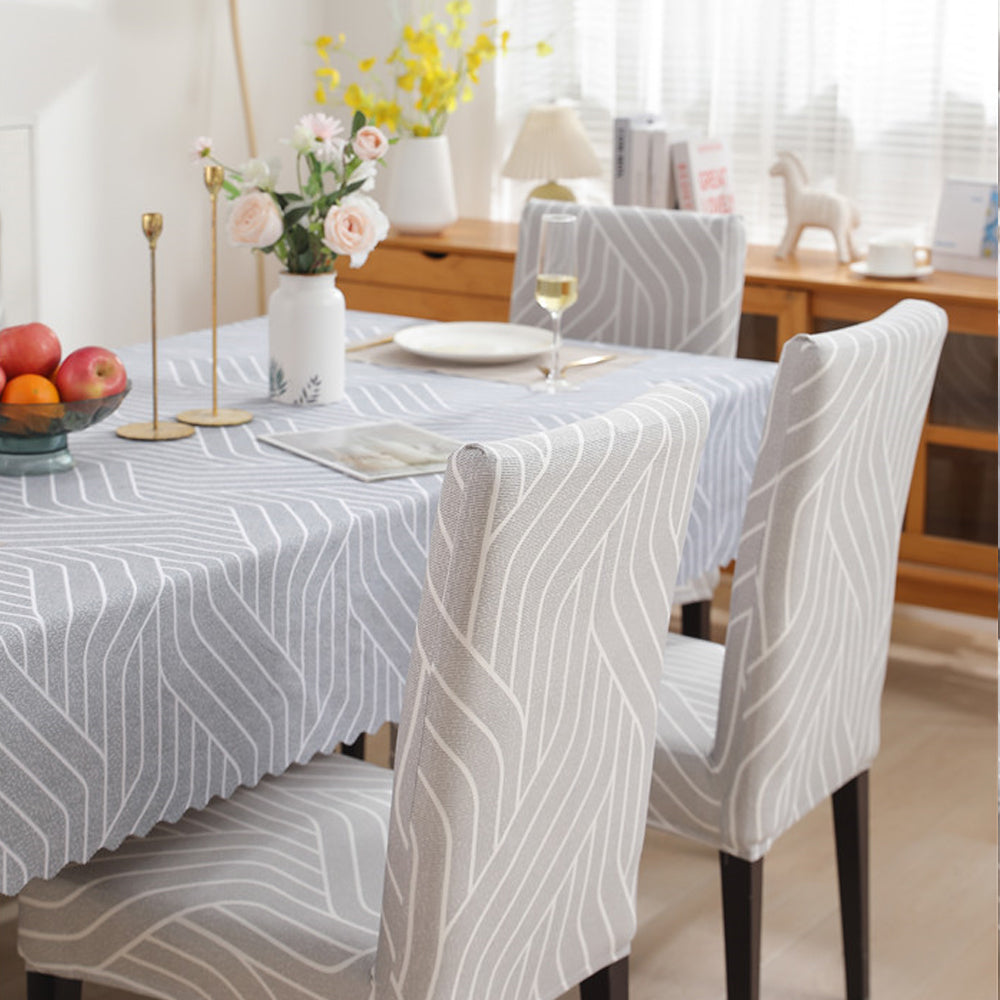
883, 99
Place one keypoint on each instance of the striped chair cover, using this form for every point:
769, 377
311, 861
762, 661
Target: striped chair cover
511, 847
752, 736
648, 277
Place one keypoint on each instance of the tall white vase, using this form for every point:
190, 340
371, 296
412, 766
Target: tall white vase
305, 327
420, 198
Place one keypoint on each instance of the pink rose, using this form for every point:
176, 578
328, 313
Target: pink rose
255, 220
370, 143
354, 227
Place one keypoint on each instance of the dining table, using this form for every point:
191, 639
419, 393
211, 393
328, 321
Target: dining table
179, 618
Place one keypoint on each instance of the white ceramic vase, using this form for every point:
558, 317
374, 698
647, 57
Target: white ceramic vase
305, 328
420, 197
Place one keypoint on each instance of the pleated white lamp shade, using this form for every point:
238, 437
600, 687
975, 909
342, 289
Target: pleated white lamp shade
551, 145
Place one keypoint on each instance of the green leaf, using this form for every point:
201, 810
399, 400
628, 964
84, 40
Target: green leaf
350, 188
231, 189
293, 215
357, 122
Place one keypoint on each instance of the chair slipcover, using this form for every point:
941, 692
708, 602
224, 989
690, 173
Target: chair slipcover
648, 277
751, 737
511, 851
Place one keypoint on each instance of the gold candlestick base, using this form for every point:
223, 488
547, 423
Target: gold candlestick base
163, 430
215, 418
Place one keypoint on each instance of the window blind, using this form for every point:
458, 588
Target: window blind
882, 99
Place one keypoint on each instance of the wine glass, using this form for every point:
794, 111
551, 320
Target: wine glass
556, 285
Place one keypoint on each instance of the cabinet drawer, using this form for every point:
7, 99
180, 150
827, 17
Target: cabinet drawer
425, 303
456, 273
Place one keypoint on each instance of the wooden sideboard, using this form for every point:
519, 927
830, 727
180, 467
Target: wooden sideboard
948, 554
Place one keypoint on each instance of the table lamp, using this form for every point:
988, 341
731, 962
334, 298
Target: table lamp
552, 144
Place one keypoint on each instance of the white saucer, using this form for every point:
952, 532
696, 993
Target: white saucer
860, 268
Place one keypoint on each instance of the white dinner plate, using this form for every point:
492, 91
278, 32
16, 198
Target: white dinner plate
860, 268
475, 343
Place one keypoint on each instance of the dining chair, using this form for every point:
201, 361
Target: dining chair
504, 847
648, 277
754, 734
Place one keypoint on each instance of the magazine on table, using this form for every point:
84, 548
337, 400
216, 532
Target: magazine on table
370, 452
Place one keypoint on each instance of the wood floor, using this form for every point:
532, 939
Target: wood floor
934, 855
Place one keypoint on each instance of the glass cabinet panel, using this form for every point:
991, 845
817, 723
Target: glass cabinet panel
758, 337
961, 494
965, 392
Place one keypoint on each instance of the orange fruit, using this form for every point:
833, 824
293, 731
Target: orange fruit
30, 389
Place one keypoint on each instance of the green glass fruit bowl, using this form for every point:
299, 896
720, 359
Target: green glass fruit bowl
33, 435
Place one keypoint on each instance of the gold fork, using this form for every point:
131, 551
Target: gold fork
594, 359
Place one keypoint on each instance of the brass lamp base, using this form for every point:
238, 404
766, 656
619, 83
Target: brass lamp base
553, 191
216, 418
162, 430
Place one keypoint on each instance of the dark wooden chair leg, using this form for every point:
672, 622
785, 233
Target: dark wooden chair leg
742, 897
393, 739
42, 986
609, 983
850, 824
355, 749
696, 620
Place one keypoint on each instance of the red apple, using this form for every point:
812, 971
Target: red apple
89, 373
3, 379
29, 349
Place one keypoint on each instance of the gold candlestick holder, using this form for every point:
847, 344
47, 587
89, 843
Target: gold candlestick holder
155, 429
215, 417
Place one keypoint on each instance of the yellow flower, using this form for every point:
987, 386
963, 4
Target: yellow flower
484, 46
359, 100
429, 89
387, 113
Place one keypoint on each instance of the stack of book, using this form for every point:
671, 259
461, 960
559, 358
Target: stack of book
662, 166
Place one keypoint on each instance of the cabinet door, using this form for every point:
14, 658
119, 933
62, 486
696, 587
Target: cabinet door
771, 316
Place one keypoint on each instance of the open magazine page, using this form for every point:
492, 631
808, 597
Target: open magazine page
370, 451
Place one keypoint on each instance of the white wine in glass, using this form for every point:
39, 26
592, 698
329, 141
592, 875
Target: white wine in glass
556, 285
555, 292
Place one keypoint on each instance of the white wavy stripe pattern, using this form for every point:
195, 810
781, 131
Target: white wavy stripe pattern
521, 782
648, 277
797, 696
526, 737
271, 893
178, 619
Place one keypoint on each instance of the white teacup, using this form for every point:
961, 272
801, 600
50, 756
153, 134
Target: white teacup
895, 257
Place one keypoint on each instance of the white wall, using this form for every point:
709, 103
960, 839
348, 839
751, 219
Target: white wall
115, 91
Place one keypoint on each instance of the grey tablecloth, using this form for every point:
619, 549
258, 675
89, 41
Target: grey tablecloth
178, 618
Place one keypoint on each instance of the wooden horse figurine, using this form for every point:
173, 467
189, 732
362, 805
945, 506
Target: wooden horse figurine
807, 206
